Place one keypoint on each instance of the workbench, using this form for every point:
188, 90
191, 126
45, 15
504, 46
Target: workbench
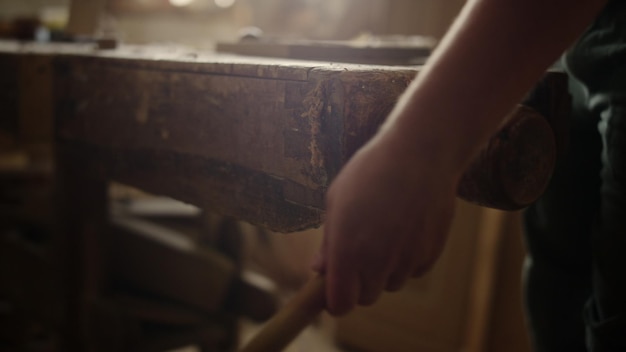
256, 139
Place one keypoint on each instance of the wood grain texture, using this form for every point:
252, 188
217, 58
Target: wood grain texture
515, 167
253, 138
256, 140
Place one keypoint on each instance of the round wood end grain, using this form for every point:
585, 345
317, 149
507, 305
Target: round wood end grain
530, 158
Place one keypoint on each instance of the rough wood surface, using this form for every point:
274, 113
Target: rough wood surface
257, 139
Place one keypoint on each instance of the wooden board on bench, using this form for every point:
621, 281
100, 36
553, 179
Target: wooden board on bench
254, 138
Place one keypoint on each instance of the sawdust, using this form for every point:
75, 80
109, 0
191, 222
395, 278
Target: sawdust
314, 107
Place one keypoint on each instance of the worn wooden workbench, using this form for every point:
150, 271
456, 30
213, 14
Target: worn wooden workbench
256, 139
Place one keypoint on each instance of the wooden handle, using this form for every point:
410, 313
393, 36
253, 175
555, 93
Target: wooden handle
279, 331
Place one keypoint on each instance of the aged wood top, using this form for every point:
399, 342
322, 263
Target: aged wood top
255, 138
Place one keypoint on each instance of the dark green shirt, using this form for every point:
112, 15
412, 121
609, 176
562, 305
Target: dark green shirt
598, 59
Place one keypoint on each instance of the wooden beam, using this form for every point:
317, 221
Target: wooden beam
257, 139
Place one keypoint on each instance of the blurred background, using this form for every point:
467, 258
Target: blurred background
203, 22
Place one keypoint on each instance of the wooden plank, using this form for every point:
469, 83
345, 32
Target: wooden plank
260, 145
256, 139
81, 214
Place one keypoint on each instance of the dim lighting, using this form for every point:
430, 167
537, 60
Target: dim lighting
224, 3
180, 3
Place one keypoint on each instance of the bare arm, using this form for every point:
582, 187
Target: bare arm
390, 208
492, 55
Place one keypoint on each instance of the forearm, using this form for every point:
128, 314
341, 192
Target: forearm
492, 55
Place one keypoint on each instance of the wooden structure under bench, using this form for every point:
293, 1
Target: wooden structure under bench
254, 139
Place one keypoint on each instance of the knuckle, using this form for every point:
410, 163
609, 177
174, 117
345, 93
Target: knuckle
368, 298
423, 267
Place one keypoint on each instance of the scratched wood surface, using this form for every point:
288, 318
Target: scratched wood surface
258, 139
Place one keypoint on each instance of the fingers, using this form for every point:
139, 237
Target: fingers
347, 287
319, 262
357, 272
353, 274
403, 270
342, 287
352, 279
342, 284
422, 269
373, 274
431, 250
370, 247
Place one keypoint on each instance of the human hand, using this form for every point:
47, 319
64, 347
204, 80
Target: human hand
388, 215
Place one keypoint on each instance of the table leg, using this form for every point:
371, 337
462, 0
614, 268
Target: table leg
82, 212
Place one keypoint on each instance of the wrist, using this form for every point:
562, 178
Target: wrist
440, 152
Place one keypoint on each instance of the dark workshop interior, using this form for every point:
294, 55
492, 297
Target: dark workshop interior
124, 229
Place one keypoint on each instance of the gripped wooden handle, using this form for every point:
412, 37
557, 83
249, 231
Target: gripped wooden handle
279, 331
511, 172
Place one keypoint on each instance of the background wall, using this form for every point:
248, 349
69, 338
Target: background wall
202, 23
10, 8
